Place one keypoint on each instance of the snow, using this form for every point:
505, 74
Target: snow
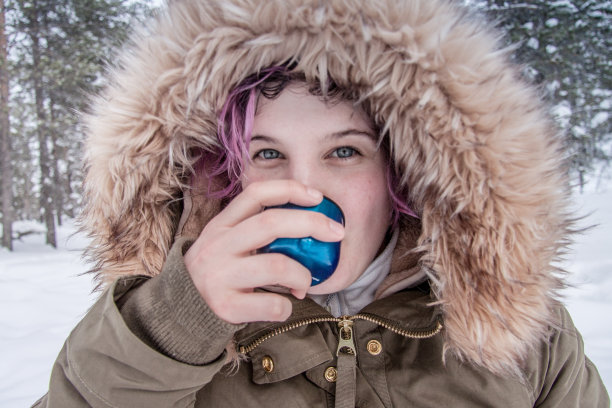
589, 301
43, 294
567, 4
553, 86
528, 26
562, 113
533, 43
599, 119
551, 49
552, 22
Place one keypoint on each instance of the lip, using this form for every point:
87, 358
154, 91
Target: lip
321, 258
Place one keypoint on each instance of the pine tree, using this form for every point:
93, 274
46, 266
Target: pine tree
565, 45
59, 51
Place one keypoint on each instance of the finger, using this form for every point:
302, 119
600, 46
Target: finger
257, 306
261, 229
299, 294
260, 195
269, 270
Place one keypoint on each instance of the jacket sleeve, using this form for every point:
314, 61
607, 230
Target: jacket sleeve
566, 377
145, 342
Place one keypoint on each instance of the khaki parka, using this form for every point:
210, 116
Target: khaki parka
476, 157
396, 358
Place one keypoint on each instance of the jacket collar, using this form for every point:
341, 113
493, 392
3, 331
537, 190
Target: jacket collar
408, 310
279, 351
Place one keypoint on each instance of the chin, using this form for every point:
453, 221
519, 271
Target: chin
339, 280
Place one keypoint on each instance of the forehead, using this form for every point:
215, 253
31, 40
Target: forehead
297, 105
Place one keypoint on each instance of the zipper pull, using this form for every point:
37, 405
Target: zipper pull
346, 384
346, 343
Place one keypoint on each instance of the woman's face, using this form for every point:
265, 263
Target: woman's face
332, 148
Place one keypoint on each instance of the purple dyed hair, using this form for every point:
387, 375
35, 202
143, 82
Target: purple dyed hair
235, 125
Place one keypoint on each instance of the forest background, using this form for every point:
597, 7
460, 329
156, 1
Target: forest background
53, 55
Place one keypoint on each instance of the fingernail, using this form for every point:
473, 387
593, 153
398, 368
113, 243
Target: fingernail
300, 294
336, 228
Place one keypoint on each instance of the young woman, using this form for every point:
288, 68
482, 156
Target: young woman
408, 117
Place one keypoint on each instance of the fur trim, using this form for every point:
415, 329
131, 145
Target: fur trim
482, 161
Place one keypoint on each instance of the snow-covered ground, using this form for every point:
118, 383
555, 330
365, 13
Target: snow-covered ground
589, 300
43, 295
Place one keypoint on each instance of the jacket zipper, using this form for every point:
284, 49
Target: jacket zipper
346, 344
345, 323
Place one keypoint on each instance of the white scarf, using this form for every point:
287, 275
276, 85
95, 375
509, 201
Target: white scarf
361, 292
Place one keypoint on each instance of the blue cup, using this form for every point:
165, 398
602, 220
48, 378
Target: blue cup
321, 258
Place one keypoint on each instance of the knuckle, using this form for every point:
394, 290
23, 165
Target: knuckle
222, 308
267, 220
279, 309
279, 262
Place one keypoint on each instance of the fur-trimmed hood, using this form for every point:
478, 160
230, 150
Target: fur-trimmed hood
482, 161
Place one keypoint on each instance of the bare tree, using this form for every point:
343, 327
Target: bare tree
5, 139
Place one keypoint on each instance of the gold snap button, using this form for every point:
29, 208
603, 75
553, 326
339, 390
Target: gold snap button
331, 375
374, 347
268, 364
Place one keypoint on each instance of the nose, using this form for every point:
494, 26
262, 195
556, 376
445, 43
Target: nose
306, 172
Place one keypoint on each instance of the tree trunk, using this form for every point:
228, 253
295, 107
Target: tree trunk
46, 191
58, 196
5, 141
28, 206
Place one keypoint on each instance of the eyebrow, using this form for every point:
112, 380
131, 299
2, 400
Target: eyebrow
349, 132
334, 135
263, 138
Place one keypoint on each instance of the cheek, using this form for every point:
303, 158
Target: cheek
252, 175
366, 202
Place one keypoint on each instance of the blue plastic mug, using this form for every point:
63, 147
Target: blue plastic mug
321, 258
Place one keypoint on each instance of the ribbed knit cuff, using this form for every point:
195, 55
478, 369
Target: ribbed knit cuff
168, 313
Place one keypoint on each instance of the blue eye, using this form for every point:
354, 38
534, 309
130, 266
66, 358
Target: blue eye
344, 152
268, 154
